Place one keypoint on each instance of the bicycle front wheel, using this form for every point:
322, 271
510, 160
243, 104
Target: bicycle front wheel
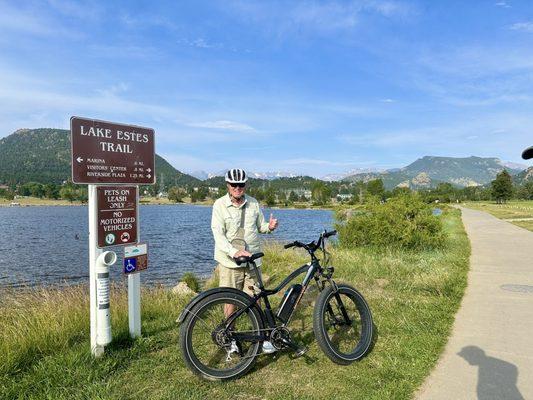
208, 348
342, 323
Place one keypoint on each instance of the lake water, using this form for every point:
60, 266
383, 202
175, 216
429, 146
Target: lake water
49, 245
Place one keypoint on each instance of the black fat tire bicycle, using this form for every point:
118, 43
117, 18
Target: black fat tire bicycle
220, 347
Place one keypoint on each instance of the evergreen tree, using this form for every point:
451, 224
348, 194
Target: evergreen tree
293, 196
502, 187
270, 197
376, 188
320, 193
525, 191
175, 195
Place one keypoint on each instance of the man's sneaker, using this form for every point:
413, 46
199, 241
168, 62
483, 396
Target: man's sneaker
268, 347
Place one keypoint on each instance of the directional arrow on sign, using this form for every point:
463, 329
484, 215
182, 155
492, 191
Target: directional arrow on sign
149, 170
79, 159
148, 176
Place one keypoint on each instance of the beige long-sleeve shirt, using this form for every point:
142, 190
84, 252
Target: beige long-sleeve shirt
226, 220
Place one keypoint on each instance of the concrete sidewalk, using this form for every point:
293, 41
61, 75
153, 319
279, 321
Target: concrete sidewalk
490, 352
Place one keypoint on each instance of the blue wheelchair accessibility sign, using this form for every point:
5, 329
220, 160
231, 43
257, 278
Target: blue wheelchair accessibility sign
130, 265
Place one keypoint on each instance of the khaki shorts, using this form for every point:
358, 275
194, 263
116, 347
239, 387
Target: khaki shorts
238, 278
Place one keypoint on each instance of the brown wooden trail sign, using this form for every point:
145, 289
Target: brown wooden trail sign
106, 152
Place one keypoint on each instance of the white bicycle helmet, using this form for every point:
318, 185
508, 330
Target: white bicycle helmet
236, 175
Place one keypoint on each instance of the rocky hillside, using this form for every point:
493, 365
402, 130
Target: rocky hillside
429, 171
43, 155
524, 176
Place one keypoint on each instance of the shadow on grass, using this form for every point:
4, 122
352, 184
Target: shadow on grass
301, 339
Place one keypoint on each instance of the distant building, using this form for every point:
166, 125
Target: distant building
213, 189
300, 192
344, 196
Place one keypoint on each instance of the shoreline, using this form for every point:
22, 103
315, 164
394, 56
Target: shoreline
36, 202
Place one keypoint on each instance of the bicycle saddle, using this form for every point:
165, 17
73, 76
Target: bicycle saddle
243, 259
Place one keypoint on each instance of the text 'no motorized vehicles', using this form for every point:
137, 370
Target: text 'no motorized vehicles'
117, 215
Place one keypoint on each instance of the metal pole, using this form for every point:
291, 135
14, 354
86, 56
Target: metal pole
94, 252
134, 288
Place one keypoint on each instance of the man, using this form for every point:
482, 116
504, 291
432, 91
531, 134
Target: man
236, 223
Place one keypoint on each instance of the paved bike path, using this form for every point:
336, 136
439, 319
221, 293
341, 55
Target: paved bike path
490, 352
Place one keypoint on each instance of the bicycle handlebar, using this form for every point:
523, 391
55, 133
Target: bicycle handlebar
294, 244
311, 246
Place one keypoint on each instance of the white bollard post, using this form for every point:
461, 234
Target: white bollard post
134, 290
103, 317
94, 252
134, 304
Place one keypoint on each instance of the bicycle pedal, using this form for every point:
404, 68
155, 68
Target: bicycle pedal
298, 351
301, 351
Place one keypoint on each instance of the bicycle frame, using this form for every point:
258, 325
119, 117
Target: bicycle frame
310, 269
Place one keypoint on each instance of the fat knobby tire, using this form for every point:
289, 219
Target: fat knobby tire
186, 346
319, 327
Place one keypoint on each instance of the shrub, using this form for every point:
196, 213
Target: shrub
191, 280
403, 221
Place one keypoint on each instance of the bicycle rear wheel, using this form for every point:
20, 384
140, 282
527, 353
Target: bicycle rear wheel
342, 323
207, 346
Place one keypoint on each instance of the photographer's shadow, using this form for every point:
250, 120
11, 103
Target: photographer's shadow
496, 378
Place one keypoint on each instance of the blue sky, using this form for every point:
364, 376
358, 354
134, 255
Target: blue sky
312, 87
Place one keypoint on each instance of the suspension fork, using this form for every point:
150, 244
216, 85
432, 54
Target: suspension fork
321, 286
340, 304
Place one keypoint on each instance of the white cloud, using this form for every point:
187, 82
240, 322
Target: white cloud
315, 17
223, 125
502, 4
522, 26
56, 101
474, 75
316, 161
77, 9
500, 134
33, 21
123, 51
147, 21
114, 90
186, 162
202, 43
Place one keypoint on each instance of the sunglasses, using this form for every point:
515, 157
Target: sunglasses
240, 185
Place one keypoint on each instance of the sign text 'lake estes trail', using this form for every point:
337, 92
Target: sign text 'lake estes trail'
106, 152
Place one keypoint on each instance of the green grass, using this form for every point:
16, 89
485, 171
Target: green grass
524, 224
44, 349
509, 211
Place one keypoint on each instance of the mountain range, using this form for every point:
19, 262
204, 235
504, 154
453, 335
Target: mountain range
429, 171
203, 175
43, 155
